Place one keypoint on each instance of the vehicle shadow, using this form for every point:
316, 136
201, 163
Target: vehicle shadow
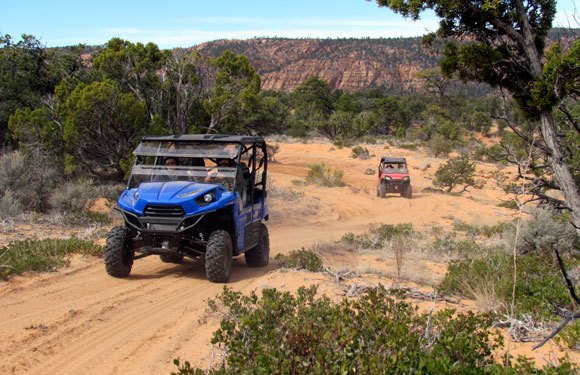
196, 270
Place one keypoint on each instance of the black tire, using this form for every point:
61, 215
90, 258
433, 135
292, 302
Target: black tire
118, 254
382, 189
171, 258
259, 256
407, 191
219, 257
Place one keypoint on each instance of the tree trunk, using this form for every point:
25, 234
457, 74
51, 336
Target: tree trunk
562, 172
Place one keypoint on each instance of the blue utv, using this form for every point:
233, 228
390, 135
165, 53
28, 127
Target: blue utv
195, 196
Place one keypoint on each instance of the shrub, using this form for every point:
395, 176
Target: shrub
74, 196
485, 230
512, 204
456, 171
28, 177
271, 151
360, 152
540, 288
306, 334
569, 337
322, 175
41, 255
300, 260
342, 142
440, 146
409, 146
376, 237
10, 206
546, 231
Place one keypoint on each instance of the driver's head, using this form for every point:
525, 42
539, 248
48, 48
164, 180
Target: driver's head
170, 162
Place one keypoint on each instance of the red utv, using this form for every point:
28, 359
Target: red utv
394, 177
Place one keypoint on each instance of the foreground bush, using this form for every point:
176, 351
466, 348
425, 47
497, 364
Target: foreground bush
540, 287
41, 255
306, 334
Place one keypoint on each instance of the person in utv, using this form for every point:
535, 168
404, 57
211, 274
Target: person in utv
169, 173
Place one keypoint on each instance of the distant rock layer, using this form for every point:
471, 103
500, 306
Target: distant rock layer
346, 64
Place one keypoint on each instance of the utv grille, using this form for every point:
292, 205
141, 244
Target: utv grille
164, 211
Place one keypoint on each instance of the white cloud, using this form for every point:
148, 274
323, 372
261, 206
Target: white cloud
289, 28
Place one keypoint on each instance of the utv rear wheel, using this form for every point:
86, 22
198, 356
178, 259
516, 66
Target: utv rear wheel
218, 257
382, 189
407, 192
259, 256
118, 254
171, 258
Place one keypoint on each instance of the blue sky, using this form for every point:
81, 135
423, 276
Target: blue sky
183, 23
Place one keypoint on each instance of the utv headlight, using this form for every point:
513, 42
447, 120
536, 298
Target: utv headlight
208, 198
406, 178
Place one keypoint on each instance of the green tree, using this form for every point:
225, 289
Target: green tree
338, 125
183, 92
234, 93
313, 97
135, 67
102, 124
23, 76
456, 171
435, 82
506, 49
270, 116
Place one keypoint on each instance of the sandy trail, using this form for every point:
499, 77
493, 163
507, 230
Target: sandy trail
79, 320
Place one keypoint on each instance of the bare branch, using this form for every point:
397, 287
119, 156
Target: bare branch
558, 329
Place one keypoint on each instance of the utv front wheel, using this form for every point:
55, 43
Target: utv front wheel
118, 254
407, 191
382, 189
218, 257
259, 256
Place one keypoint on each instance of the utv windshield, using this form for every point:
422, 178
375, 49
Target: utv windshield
202, 162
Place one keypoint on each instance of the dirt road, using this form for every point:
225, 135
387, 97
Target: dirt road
79, 320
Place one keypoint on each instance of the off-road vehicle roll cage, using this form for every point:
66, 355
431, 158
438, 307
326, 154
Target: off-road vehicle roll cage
195, 196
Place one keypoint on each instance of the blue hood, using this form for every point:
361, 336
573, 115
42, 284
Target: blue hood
180, 193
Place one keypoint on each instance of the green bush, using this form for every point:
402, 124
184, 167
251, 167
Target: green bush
569, 337
300, 260
540, 287
321, 175
467, 248
73, 196
546, 231
306, 334
360, 153
456, 171
485, 230
376, 237
440, 146
512, 204
41, 255
343, 142
10, 206
29, 179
